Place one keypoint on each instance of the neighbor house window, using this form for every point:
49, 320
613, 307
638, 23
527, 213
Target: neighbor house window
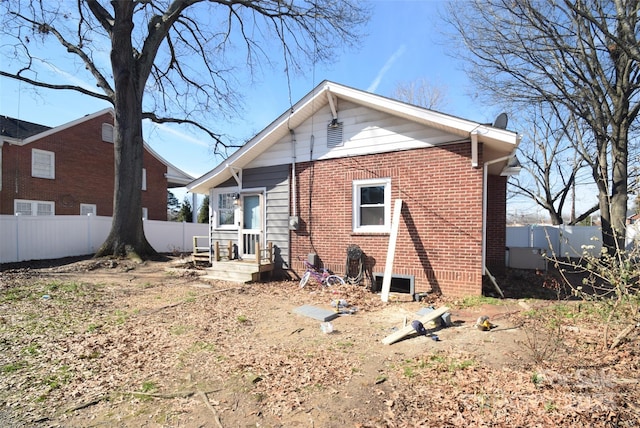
144, 179
372, 205
224, 207
107, 132
86, 209
145, 213
43, 164
33, 208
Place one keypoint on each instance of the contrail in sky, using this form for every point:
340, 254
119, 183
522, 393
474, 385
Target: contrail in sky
387, 65
70, 77
181, 135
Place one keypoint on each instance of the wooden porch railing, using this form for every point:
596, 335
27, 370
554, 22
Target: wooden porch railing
268, 253
200, 252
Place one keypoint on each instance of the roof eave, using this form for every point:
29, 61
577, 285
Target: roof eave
499, 140
67, 125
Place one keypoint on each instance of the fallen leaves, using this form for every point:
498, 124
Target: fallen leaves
236, 354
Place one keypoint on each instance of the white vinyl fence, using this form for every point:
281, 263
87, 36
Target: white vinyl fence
564, 241
37, 238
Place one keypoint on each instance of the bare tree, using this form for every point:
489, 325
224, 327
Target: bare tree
551, 165
169, 61
422, 93
581, 56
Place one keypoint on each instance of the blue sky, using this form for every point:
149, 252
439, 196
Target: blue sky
404, 42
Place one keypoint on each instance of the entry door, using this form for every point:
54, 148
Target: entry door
251, 230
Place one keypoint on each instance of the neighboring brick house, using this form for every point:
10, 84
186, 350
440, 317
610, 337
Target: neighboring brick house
325, 175
69, 169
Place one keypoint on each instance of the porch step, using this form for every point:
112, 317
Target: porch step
236, 271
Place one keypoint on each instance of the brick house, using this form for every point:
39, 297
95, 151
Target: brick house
69, 169
325, 175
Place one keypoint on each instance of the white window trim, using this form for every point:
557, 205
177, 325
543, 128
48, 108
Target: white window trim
357, 185
107, 132
92, 207
213, 206
52, 165
34, 206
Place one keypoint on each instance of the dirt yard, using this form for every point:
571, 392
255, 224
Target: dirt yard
94, 343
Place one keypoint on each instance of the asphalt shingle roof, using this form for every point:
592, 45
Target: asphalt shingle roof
19, 129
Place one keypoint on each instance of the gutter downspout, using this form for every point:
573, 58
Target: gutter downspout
294, 199
474, 149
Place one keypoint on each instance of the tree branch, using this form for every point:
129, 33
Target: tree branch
216, 137
54, 86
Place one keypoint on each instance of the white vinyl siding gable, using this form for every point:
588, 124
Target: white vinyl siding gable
364, 131
43, 164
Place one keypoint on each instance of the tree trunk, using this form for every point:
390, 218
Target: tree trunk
126, 237
619, 179
601, 177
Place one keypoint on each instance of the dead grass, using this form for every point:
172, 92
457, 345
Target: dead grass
94, 343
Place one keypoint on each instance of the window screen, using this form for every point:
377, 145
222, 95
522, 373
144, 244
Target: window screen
42, 164
86, 209
107, 132
34, 208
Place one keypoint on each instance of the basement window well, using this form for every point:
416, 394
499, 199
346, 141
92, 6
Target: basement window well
399, 283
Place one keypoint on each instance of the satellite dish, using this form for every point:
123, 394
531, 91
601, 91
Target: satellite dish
501, 121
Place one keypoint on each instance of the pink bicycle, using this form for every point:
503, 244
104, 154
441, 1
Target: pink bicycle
323, 276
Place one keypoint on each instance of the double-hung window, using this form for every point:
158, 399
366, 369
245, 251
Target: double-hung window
224, 208
372, 205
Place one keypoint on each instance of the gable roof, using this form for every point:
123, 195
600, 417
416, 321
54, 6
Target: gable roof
498, 143
31, 132
16, 129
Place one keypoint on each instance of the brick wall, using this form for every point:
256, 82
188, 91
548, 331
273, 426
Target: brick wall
84, 173
496, 223
439, 240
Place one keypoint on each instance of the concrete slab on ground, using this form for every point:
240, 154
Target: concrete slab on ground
316, 313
